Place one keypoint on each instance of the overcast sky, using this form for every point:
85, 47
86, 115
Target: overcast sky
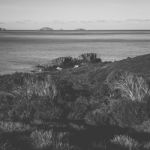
71, 14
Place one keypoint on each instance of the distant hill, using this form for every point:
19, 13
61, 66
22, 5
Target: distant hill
2, 29
46, 29
80, 29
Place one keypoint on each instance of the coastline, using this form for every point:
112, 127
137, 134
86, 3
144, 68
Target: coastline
72, 99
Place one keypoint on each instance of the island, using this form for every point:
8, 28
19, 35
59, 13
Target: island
2, 29
46, 29
80, 29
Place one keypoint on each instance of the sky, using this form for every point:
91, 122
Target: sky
73, 14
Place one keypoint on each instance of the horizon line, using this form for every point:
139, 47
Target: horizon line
76, 30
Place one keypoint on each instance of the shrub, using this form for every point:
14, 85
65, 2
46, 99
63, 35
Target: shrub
37, 86
89, 57
147, 146
7, 101
13, 126
127, 113
98, 116
144, 127
49, 139
131, 86
64, 62
78, 108
34, 97
125, 141
42, 139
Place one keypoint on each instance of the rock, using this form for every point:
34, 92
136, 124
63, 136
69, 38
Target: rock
58, 68
76, 66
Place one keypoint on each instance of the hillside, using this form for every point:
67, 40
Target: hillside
139, 64
77, 103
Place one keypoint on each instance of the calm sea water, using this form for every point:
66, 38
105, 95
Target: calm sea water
21, 50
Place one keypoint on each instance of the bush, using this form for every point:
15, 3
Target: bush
64, 62
89, 57
7, 102
78, 108
42, 139
147, 146
127, 113
144, 127
50, 140
36, 95
98, 116
36, 86
125, 141
131, 86
13, 126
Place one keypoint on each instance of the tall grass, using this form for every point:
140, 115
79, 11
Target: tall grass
13, 126
42, 139
125, 141
50, 140
131, 86
37, 86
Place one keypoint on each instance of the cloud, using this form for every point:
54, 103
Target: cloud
24, 21
138, 20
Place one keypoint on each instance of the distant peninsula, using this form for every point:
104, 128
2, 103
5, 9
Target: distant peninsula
46, 29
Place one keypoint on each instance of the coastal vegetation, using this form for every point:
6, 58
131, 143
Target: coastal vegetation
94, 106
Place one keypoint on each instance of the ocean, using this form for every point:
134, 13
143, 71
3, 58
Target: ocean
22, 50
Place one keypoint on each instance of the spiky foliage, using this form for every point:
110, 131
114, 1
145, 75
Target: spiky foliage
50, 140
34, 98
42, 139
125, 141
37, 86
131, 86
13, 126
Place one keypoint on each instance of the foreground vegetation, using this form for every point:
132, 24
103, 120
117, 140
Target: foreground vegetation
96, 106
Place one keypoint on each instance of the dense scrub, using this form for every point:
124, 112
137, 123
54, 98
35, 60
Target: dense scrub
94, 106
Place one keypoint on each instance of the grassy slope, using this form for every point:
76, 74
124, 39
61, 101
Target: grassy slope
93, 75
139, 64
90, 78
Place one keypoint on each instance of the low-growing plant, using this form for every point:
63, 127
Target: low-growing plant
13, 126
42, 139
147, 146
125, 141
131, 86
89, 57
144, 127
37, 86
